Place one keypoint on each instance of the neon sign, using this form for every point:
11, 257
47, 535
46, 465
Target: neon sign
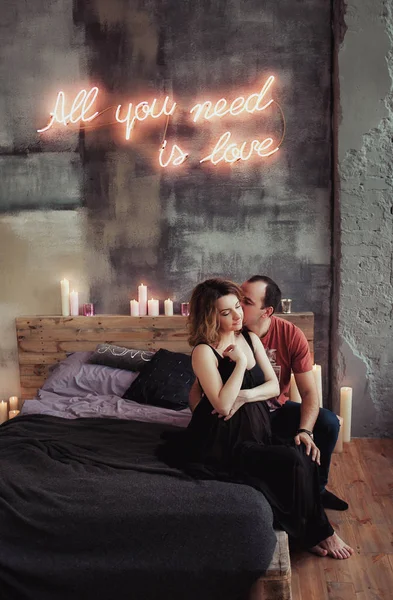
83, 101
239, 105
226, 150
147, 110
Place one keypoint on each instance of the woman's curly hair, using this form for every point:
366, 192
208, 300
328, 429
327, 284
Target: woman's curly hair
203, 321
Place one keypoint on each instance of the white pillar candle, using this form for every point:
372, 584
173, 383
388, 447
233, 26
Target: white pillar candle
3, 411
142, 299
65, 297
153, 308
13, 413
293, 391
168, 307
346, 411
317, 372
134, 308
74, 303
13, 402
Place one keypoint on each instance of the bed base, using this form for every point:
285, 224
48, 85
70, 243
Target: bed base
276, 583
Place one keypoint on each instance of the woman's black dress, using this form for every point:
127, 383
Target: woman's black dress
243, 450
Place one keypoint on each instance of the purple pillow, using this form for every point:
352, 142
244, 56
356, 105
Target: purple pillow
74, 377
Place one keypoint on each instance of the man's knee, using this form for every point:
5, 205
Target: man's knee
327, 423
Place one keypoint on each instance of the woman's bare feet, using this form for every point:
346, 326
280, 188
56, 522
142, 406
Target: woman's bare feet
334, 547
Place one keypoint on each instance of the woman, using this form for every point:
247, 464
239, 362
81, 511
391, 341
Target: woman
229, 436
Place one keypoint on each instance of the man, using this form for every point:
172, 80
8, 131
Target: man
288, 350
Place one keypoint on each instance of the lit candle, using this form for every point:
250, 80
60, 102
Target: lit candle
65, 297
153, 308
293, 390
346, 411
168, 307
13, 413
74, 303
317, 372
134, 308
142, 299
3, 411
13, 402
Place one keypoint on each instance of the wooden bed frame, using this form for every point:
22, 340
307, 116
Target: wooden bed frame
46, 340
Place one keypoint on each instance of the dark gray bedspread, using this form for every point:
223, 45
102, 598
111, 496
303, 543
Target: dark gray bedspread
87, 512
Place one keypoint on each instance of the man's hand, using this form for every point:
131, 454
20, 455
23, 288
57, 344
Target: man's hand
311, 448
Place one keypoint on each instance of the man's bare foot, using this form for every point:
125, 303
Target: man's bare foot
335, 547
318, 550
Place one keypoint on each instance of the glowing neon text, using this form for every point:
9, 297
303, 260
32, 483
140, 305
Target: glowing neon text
176, 157
142, 111
232, 152
237, 106
81, 105
226, 150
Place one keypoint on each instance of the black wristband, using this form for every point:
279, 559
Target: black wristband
310, 433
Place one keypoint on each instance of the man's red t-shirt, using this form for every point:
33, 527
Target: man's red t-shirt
287, 349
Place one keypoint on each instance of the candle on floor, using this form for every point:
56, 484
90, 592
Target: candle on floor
293, 391
346, 411
168, 307
13, 402
153, 309
317, 372
13, 413
65, 297
134, 308
3, 411
142, 299
74, 303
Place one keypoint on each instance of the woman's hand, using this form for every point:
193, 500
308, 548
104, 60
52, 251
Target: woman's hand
240, 400
235, 353
243, 395
235, 407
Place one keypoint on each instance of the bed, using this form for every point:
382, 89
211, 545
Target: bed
88, 511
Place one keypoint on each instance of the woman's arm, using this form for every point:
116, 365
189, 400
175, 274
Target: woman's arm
270, 388
205, 367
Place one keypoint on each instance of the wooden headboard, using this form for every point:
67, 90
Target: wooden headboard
46, 340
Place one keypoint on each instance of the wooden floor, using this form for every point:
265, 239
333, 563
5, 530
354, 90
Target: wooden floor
362, 475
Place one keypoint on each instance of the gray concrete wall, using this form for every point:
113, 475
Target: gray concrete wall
100, 211
365, 170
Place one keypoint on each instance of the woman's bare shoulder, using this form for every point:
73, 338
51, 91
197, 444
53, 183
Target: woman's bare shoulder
202, 350
256, 342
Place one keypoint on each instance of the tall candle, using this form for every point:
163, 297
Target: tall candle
74, 303
168, 307
293, 390
142, 299
13, 413
13, 402
3, 411
65, 297
346, 411
317, 372
134, 308
153, 308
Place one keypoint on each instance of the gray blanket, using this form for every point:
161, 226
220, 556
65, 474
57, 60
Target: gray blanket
88, 512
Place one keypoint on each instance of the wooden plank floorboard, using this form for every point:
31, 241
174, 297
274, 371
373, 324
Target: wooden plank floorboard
363, 475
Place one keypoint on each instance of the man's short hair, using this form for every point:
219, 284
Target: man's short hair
273, 292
